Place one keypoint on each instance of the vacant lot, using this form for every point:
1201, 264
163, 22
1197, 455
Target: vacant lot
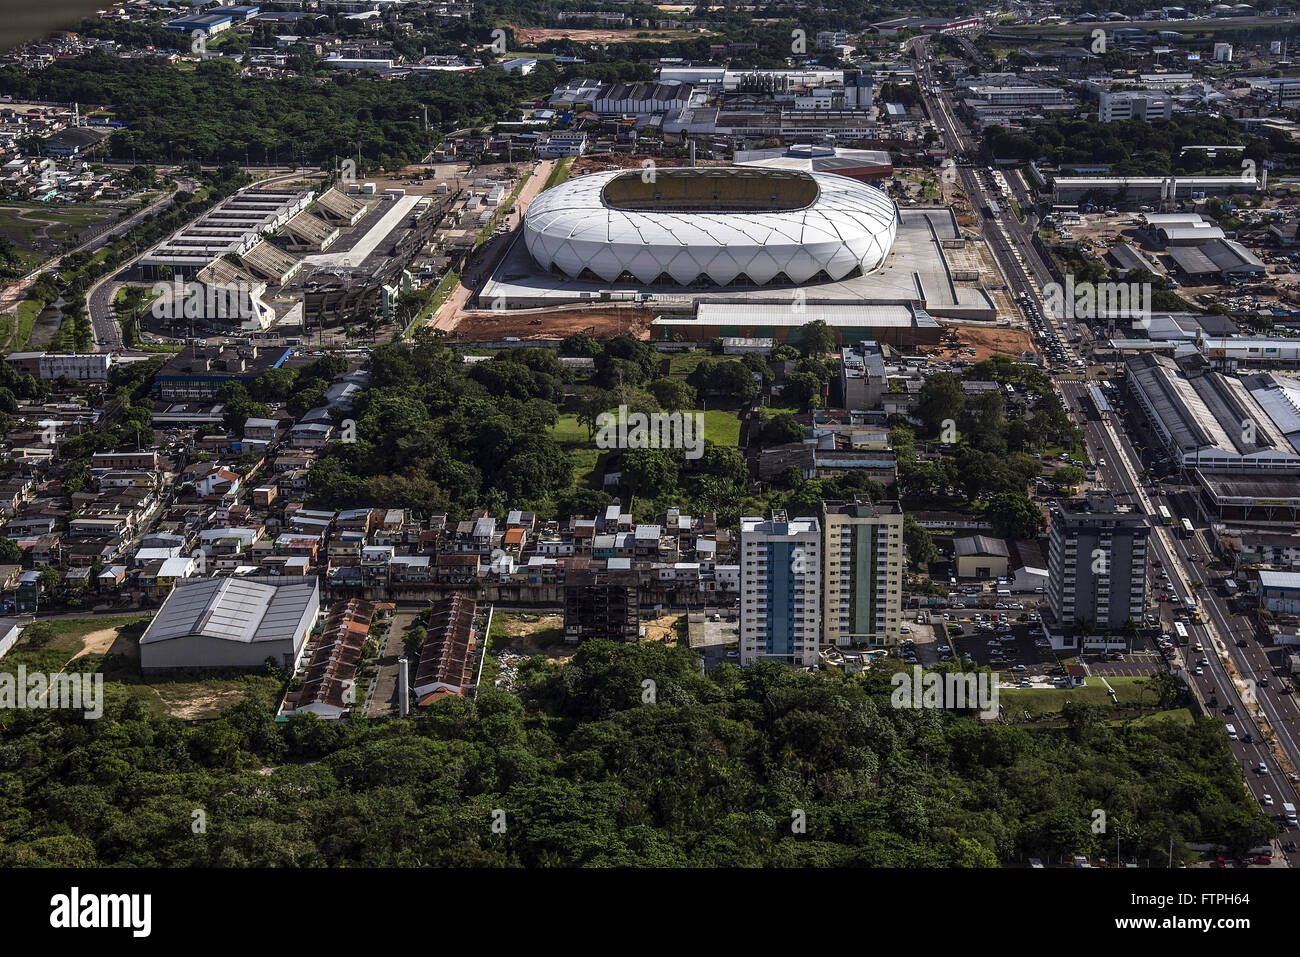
529, 633
111, 644
551, 323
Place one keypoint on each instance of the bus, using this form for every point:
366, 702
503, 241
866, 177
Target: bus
1165, 517
1187, 528
1181, 631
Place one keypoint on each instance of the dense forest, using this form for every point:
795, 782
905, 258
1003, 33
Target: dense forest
1131, 147
580, 771
211, 114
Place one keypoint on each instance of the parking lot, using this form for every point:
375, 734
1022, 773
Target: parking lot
1132, 666
997, 639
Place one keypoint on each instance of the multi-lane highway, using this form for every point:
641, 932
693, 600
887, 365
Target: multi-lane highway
1232, 661
1232, 683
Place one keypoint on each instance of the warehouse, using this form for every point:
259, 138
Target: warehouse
1217, 423
1216, 260
895, 323
212, 623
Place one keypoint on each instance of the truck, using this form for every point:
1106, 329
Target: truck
1288, 812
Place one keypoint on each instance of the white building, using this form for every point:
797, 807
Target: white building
780, 590
213, 623
1223, 53
1130, 105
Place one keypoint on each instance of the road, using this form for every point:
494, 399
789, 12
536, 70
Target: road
445, 316
1235, 662
1232, 671
14, 293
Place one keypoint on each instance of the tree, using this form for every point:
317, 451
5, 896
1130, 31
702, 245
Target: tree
1014, 515
10, 553
803, 390
941, 400
781, 429
816, 338
650, 471
672, 394
921, 550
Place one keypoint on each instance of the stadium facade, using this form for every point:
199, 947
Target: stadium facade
711, 227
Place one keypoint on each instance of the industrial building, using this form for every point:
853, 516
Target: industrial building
980, 556
1070, 190
199, 372
1213, 261
212, 623
896, 323
1212, 422
862, 574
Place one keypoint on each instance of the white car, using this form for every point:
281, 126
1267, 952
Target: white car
944, 648
1019, 668
1268, 800
905, 630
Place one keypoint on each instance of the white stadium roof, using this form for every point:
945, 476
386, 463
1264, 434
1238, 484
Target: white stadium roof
716, 224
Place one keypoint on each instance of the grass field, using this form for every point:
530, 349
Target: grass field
581, 448
684, 363
721, 428
24, 224
559, 174
1131, 692
48, 645
83, 645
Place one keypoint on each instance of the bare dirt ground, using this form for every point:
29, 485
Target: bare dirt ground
552, 323
661, 628
98, 642
538, 34
985, 342
203, 705
524, 637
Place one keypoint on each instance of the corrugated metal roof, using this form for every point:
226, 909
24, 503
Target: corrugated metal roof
234, 609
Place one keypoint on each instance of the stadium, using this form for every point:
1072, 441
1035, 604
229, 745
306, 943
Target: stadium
712, 227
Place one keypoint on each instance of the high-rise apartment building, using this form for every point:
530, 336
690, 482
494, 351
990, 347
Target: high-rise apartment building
862, 574
780, 590
1097, 565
